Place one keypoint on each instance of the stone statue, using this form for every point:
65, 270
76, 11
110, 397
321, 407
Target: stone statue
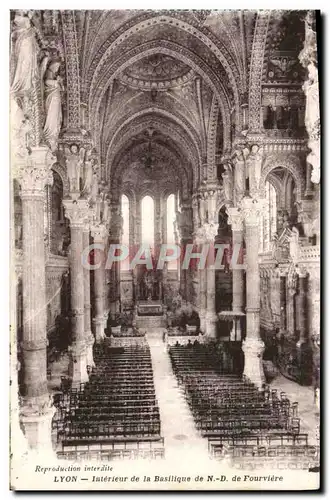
95, 184
88, 173
53, 105
228, 182
20, 130
105, 214
239, 173
74, 162
25, 52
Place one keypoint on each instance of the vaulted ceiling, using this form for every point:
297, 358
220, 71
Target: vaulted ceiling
163, 90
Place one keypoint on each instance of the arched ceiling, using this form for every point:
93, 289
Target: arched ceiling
183, 74
167, 70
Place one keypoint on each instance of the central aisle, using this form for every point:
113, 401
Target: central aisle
182, 441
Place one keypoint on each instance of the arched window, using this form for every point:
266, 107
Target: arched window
125, 233
147, 222
171, 226
270, 217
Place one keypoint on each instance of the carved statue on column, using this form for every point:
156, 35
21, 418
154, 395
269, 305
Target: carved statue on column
228, 181
308, 59
239, 174
74, 162
20, 131
254, 160
53, 86
25, 53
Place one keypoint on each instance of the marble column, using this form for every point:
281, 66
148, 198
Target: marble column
211, 317
283, 287
77, 211
292, 285
236, 221
87, 302
252, 346
301, 304
37, 410
207, 313
98, 233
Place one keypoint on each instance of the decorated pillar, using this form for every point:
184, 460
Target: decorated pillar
37, 410
301, 304
292, 286
77, 211
308, 59
235, 219
87, 301
208, 197
252, 346
98, 233
185, 230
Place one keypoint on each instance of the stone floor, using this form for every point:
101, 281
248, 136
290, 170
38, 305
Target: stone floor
307, 410
177, 425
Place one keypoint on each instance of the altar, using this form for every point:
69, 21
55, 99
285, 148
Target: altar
150, 308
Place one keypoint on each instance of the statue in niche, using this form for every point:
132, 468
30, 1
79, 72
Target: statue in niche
228, 181
26, 70
53, 86
74, 163
239, 173
87, 173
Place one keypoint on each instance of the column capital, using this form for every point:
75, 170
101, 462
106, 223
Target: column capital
99, 232
252, 210
206, 232
35, 173
253, 346
77, 211
235, 218
89, 220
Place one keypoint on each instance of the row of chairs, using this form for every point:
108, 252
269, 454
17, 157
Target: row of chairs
238, 419
118, 403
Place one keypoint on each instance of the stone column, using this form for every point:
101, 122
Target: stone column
301, 304
37, 410
77, 212
236, 221
252, 346
283, 288
87, 302
292, 284
98, 233
211, 318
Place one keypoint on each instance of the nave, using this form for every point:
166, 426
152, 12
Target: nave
179, 402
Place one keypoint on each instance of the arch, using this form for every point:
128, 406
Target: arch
290, 163
147, 19
279, 186
61, 171
160, 108
174, 50
184, 146
148, 111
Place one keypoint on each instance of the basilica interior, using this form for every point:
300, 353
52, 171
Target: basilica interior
145, 127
